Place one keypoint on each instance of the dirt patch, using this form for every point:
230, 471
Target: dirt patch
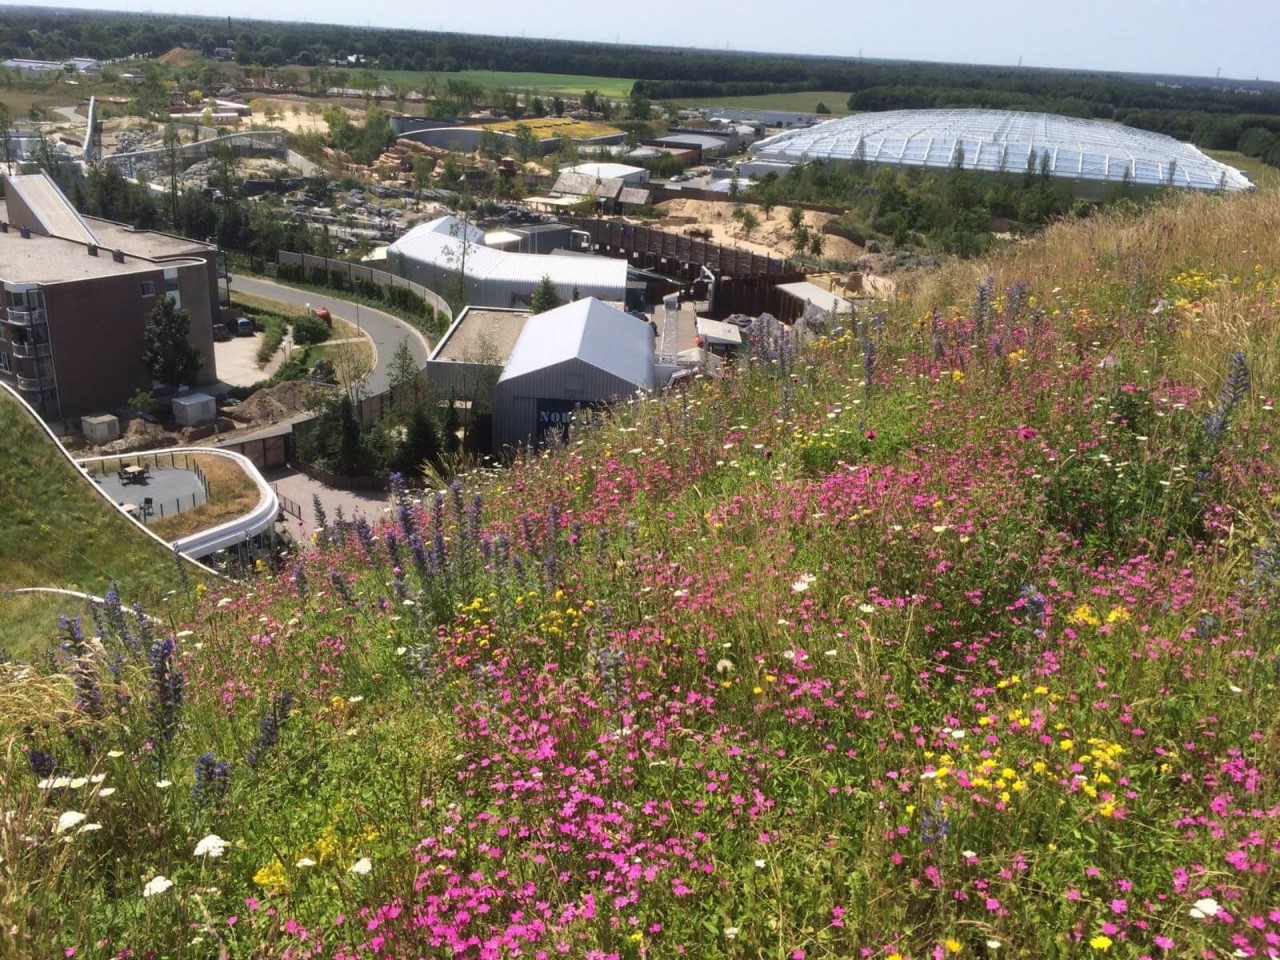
773, 237
291, 114
180, 57
274, 404
139, 435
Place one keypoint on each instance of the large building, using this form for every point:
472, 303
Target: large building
450, 257
75, 293
536, 374
581, 355
1091, 154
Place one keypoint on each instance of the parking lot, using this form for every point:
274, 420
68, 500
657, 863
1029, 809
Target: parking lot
237, 360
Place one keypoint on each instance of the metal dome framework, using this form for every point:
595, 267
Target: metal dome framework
1006, 141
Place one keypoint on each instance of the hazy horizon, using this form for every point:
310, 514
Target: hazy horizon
1139, 36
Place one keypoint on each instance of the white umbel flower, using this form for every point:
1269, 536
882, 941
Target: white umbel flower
156, 886
362, 866
211, 846
72, 818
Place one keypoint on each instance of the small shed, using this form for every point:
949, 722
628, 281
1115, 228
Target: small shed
193, 409
100, 430
581, 355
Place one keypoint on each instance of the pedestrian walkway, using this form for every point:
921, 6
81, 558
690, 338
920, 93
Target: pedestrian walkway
302, 490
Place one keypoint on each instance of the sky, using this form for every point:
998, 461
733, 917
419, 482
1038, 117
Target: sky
1190, 37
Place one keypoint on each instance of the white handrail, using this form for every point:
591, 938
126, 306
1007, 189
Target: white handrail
236, 530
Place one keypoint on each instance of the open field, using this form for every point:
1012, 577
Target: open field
804, 101
1263, 175
616, 87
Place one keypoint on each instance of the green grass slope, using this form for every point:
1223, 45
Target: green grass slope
57, 531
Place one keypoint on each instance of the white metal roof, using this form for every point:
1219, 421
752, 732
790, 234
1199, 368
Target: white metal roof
428, 243
604, 171
50, 206
588, 330
717, 331
1005, 141
824, 300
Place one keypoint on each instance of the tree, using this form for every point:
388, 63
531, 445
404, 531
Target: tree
822, 108
545, 297
421, 441
167, 351
816, 243
402, 377
557, 107
5, 125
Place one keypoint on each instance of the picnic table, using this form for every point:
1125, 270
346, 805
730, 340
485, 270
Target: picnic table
135, 474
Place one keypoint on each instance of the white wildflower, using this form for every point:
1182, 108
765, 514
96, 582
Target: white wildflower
305, 862
72, 818
113, 754
156, 886
730, 932
106, 791
89, 828
362, 866
164, 784
211, 846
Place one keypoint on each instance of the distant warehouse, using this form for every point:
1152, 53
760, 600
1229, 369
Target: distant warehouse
1090, 154
449, 256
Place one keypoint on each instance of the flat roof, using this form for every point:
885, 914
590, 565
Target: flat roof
145, 243
482, 334
824, 300
51, 260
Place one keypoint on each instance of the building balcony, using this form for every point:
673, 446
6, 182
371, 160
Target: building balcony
30, 351
35, 384
25, 316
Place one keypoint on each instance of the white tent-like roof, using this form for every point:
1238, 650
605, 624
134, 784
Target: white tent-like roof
587, 330
824, 300
438, 244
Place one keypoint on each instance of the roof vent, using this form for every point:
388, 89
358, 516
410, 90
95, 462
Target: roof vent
93, 250
117, 256
26, 233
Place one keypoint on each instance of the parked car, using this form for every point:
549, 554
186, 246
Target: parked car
244, 327
220, 332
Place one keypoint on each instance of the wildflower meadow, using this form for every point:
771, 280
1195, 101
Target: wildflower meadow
950, 633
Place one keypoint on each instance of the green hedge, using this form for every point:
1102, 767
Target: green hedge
310, 329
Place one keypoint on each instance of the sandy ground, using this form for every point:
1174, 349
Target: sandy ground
237, 361
300, 122
772, 238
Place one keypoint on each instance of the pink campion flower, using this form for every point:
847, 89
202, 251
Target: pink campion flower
1163, 942
1119, 906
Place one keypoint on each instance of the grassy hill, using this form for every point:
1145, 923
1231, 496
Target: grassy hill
949, 634
59, 533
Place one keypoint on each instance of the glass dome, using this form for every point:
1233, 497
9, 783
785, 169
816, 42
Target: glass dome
1005, 141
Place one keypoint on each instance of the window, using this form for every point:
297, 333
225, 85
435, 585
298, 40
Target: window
573, 384
4, 363
148, 288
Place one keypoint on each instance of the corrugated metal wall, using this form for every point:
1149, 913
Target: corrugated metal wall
515, 402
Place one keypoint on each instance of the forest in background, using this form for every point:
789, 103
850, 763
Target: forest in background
1214, 113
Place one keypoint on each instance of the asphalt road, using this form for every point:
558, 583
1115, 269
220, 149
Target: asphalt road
383, 329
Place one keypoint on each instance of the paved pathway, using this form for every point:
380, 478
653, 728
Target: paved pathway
302, 489
172, 490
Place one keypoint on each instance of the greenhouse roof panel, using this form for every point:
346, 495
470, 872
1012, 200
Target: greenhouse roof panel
1005, 140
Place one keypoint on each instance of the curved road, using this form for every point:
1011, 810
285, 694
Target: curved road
383, 329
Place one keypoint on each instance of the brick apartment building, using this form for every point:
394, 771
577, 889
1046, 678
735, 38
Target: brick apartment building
75, 293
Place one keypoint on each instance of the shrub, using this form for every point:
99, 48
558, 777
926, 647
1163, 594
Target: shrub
369, 289
310, 329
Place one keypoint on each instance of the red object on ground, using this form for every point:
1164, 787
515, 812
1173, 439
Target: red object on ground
323, 314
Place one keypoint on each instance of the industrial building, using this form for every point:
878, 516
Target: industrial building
1090, 154
583, 354
533, 375
75, 293
450, 257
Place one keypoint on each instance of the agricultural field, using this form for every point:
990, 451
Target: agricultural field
615, 87
556, 127
949, 633
804, 101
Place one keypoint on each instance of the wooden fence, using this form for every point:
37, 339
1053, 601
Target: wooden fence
674, 253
